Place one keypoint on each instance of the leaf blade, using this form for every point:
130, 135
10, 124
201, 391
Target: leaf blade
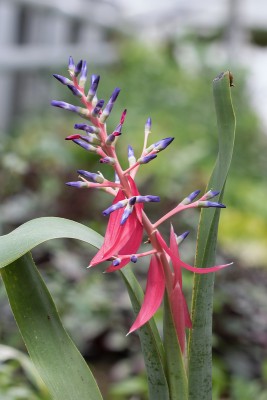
200, 340
34, 232
58, 361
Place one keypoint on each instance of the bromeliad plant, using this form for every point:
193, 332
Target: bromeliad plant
175, 370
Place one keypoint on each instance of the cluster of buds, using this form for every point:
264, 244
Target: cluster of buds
127, 219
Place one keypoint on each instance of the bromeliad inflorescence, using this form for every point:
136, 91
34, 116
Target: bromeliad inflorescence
127, 219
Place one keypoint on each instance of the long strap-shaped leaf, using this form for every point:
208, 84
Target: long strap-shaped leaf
55, 356
36, 231
200, 343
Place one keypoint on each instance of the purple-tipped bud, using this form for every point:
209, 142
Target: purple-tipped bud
78, 184
182, 237
83, 76
98, 108
148, 126
114, 207
71, 66
117, 131
207, 204
110, 139
163, 143
75, 91
116, 262
85, 145
93, 177
93, 88
133, 258
90, 138
131, 156
190, 197
87, 128
159, 146
107, 160
65, 106
107, 110
147, 199
210, 194
128, 210
62, 79
78, 68
146, 159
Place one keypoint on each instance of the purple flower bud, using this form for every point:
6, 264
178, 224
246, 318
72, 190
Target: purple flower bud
87, 128
78, 68
116, 262
130, 151
98, 108
71, 66
163, 143
110, 139
210, 194
133, 258
107, 160
65, 106
190, 197
93, 177
75, 91
85, 145
93, 88
117, 131
62, 79
90, 138
78, 184
148, 126
83, 76
114, 207
182, 237
127, 212
146, 159
147, 199
207, 204
107, 110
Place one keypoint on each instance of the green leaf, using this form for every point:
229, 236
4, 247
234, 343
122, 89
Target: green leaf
176, 373
32, 233
200, 342
151, 343
55, 356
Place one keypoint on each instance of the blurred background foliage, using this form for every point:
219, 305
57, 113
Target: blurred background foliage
35, 163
